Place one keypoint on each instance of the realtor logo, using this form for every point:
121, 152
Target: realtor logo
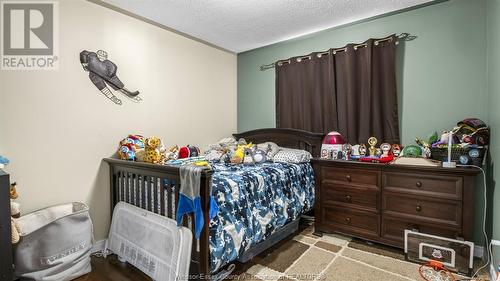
29, 39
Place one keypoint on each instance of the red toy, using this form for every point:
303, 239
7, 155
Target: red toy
188, 151
333, 143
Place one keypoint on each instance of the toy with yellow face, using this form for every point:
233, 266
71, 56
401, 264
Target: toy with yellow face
154, 152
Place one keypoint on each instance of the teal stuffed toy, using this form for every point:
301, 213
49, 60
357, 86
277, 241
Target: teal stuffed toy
3, 161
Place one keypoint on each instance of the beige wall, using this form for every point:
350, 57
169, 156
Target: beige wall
56, 127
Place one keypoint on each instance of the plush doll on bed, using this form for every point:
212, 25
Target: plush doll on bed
238, 156
259, 155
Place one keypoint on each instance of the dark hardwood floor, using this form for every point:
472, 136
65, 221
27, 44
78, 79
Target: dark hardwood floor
111, 269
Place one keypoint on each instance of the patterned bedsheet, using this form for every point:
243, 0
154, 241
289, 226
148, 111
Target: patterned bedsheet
255, 201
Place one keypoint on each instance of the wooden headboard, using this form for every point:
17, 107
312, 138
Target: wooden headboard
291, 138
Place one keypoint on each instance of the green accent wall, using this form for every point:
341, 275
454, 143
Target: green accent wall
442, 74
493, 35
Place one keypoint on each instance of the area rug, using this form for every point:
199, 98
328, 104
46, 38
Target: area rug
332, 258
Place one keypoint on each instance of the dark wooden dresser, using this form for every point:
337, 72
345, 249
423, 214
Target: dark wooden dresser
5, 232
378, 202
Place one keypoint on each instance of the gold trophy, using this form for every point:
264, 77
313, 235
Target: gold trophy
372, 142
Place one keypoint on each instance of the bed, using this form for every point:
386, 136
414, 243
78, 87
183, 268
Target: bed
251, 217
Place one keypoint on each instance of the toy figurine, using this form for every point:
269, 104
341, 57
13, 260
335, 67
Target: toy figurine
340, 155
362, 150
426, 152
378, 152
335, 154
396, 150
372, 141
346, 153
325, 153
355, 151
386, 148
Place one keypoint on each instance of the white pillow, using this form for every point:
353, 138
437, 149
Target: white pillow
289, 155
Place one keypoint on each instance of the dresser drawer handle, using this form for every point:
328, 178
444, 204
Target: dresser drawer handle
418, 208
348, 220
419, 184
348, 177
348, 198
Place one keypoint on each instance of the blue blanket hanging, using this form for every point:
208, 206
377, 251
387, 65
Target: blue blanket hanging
190, 200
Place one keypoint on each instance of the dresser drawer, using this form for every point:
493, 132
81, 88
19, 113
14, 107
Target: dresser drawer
361, 223
424, 184
438, 211
350, 196
358, 177
392, 231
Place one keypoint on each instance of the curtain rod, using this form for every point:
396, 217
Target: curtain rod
401, 37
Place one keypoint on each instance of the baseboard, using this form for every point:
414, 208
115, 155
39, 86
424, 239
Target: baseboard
479, 252
99, 246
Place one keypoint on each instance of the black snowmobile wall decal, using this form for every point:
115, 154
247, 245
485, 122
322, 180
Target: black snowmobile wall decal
102, 72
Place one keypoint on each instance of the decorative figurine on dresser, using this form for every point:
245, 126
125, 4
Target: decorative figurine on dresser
375, 199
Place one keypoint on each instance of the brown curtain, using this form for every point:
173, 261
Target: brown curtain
352, 91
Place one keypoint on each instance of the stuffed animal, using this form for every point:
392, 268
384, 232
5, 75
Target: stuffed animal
15, 212
189, 151
396, 150
3, 161
386, 149
130, 147
259, 155
173, 152
248, 157
154, 151
239, 153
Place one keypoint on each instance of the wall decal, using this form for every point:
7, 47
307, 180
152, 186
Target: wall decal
102, 72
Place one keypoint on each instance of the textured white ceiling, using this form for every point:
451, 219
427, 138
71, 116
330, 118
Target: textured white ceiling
241, 25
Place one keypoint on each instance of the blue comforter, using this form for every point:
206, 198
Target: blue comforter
254, 201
